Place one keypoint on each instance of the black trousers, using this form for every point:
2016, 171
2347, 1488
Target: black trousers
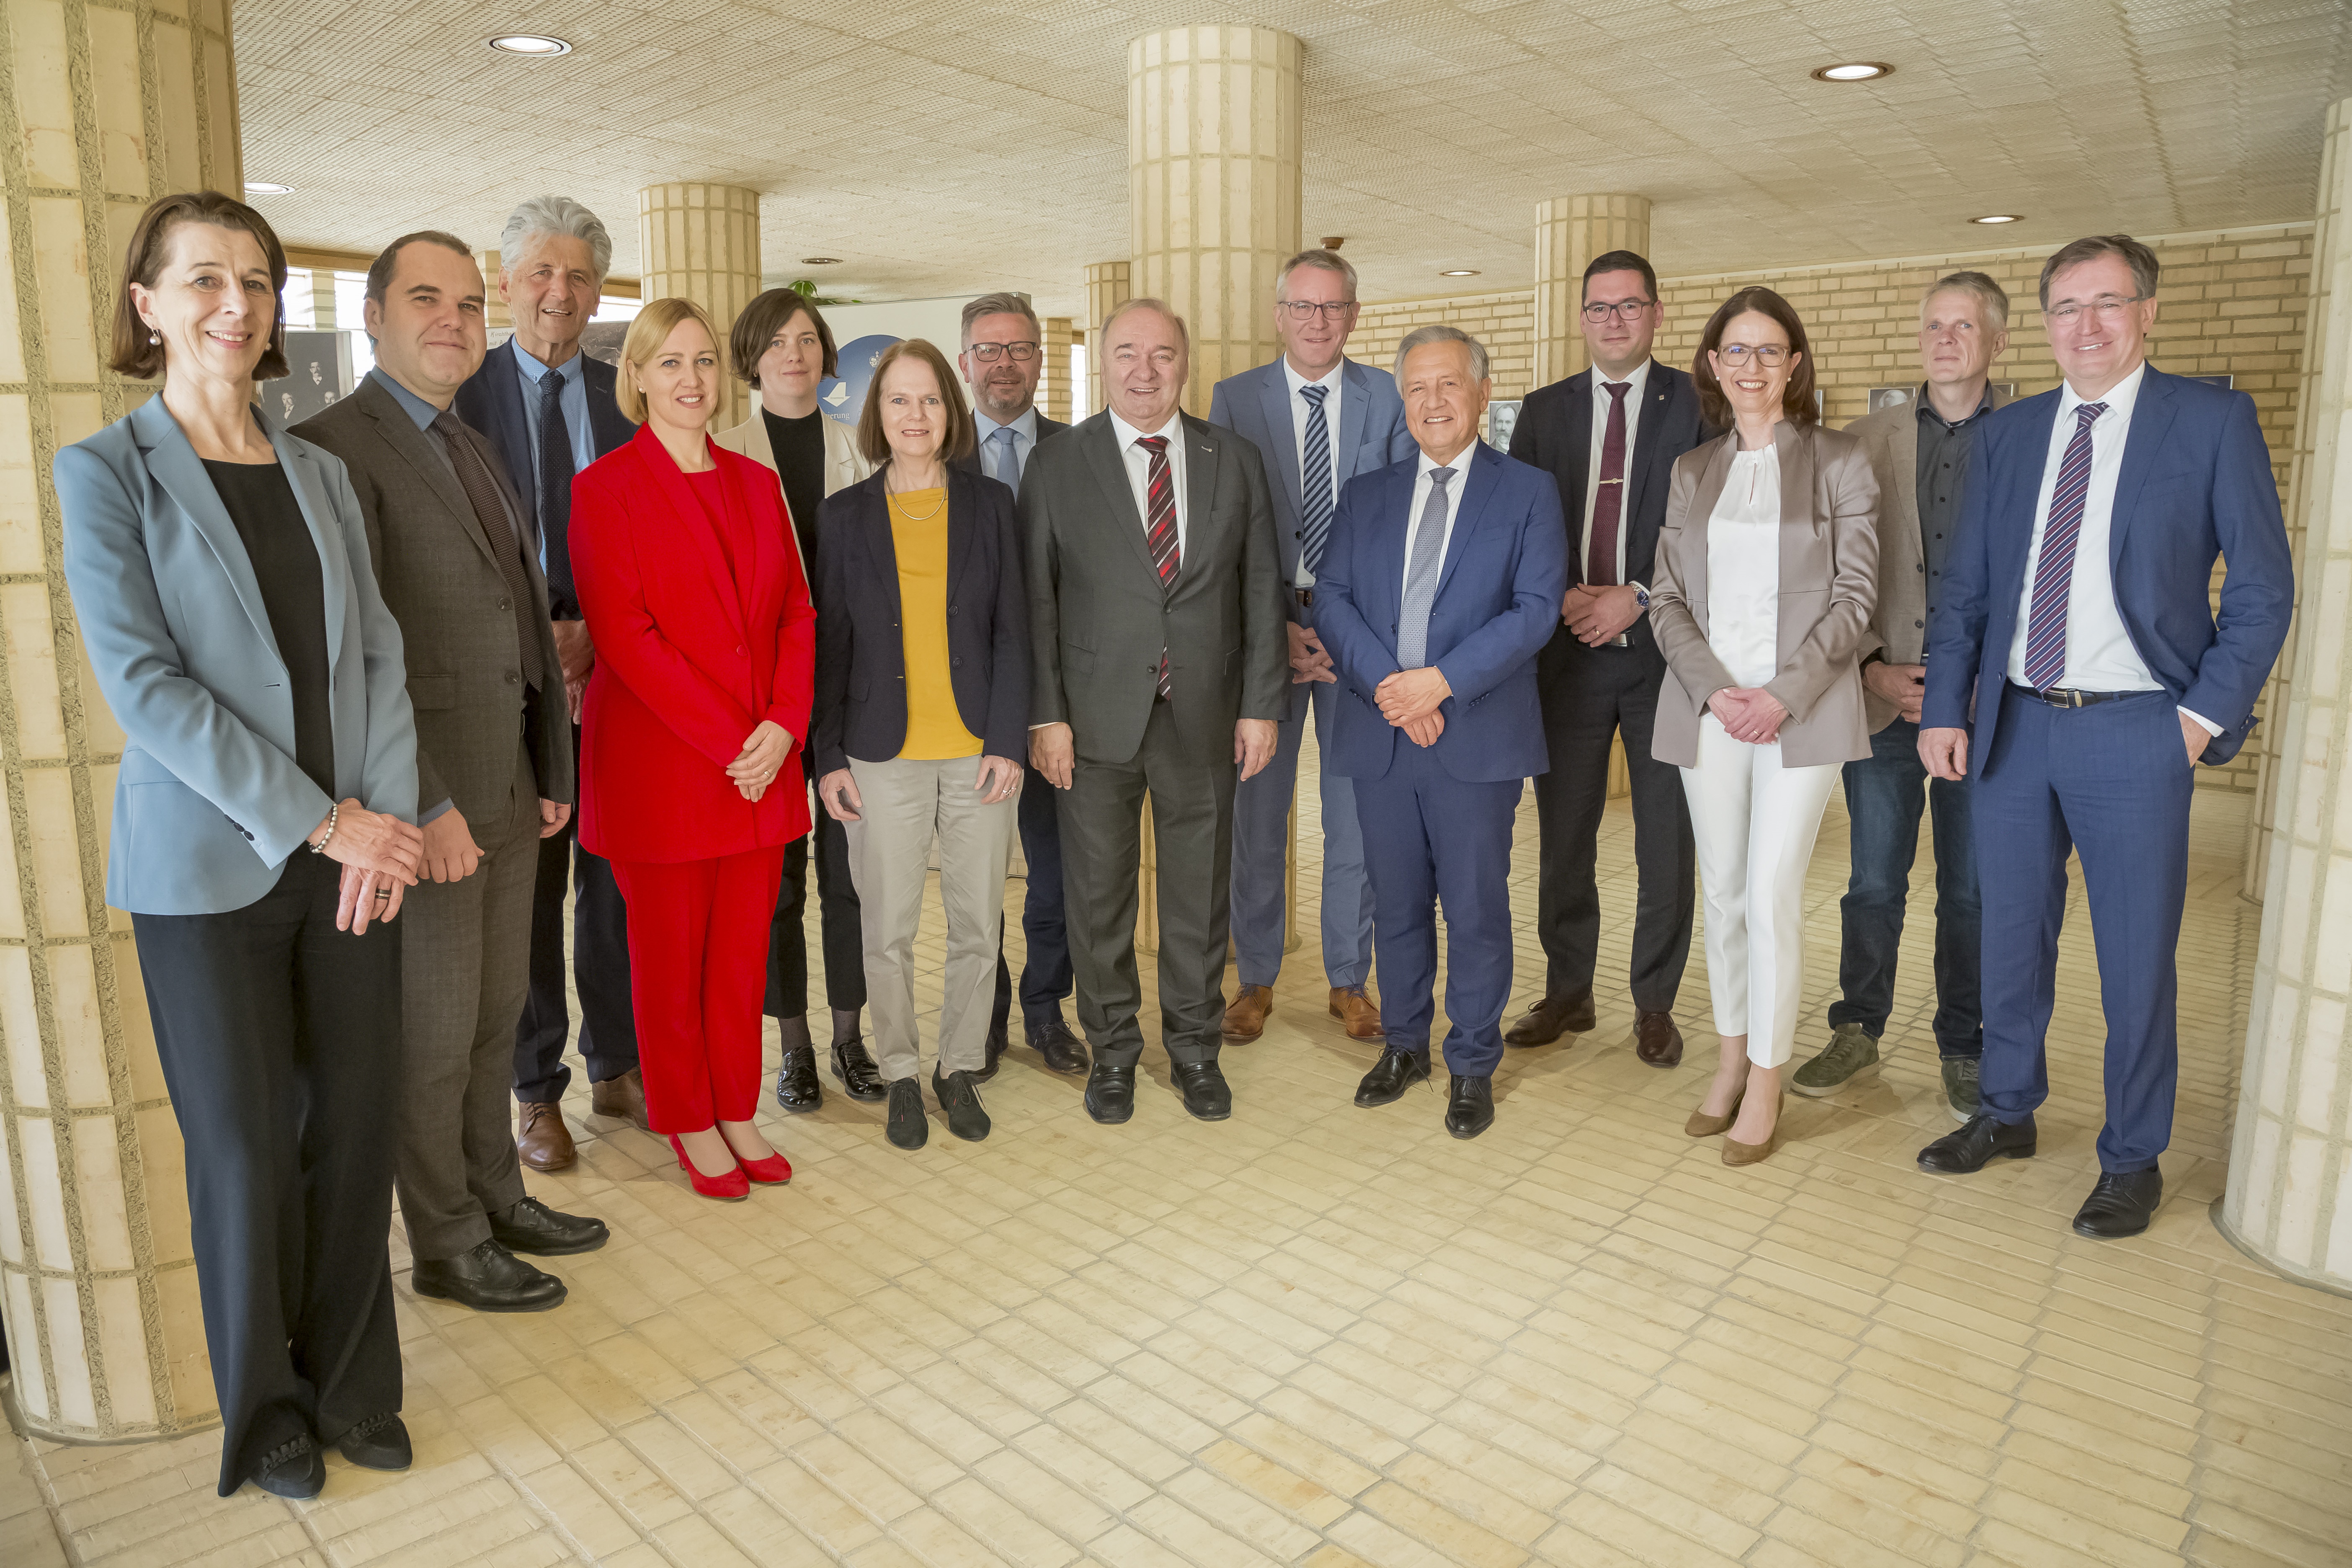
600, 967
838, 921
1591, 694
279, 1038
1045, 975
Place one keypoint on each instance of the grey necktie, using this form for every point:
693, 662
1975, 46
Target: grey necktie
1008, 462
1421, 575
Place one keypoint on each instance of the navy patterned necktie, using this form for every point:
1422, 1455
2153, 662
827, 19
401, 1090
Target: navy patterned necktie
555, 471
1314, 481
2053, 574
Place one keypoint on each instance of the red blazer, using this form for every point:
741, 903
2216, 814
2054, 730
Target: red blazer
687, 665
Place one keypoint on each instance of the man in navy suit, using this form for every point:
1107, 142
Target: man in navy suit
1318, 419
1441, 586
548, 410
2075, 632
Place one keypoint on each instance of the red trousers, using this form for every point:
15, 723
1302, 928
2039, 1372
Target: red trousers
698, 963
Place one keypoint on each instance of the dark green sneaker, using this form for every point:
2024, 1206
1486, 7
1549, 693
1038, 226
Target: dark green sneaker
1850, 1054
1960, 1086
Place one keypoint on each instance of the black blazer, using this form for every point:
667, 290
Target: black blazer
861, 656
1555, 433
491, 402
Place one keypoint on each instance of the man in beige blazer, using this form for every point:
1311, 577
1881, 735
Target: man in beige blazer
1919, 447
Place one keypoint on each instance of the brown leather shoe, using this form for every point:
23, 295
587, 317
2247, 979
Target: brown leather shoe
1359, 1012
622, 1097
1656, 1040
1551, 1018
1245, 1014
543, 1142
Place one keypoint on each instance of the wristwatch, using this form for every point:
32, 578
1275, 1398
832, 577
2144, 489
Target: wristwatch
1640, 595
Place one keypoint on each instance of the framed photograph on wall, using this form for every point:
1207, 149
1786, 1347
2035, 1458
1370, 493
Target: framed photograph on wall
319, 371
1502, 416
2223, 382
1888, 397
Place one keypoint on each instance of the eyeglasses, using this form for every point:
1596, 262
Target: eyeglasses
1332, 311
1624, 309
986, 352
1767, 354
2105, 305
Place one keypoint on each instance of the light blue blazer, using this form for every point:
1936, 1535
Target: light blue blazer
209, 803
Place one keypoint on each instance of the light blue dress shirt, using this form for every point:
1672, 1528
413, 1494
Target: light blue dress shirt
1025, 441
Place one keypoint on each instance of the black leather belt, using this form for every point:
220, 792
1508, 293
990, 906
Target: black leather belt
2062, 697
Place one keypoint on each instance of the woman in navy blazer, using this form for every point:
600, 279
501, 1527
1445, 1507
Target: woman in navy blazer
263, 835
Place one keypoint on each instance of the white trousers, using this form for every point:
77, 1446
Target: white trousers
904, 805
1754, 823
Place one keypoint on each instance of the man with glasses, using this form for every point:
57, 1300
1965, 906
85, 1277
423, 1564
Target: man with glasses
1003, 354
1318, 419
1608, 435
2077, 667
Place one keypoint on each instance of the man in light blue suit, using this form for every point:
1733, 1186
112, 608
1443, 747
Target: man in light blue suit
1319, 419
1442, 584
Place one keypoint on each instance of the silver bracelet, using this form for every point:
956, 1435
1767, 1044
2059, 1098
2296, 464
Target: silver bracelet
334, 810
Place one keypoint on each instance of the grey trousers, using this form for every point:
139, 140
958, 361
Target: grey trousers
1262, 856
1102, 844
904, 805
465, 971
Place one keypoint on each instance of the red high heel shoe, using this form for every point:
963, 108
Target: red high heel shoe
734, 1184
772, 1172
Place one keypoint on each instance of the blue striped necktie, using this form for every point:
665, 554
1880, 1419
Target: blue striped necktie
1314, 481
2053, 575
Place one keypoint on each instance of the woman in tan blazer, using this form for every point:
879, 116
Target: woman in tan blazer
1767, 573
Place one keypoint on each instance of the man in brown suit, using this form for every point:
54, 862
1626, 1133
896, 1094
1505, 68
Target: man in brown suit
453, 556
1919, 447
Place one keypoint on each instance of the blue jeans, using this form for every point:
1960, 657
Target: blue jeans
1883, 802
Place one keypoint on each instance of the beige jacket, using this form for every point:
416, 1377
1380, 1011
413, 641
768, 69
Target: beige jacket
1829, 580
1890, 439
843, 464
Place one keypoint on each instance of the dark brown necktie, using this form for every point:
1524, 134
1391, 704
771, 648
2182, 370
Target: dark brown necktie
481, 490
1609, 495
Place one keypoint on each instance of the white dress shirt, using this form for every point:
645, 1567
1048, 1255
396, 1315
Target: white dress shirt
1420, 487
1025, 441
1638, 380
1299, 411
1139, 470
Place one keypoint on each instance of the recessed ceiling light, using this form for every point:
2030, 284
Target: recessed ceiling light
530, 44
267, 188
1855, 71
1459, 272
820, 261
1999, 218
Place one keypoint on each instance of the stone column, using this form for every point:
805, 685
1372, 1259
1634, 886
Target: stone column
1569, 231
495, 314
1213, 158
701, 242
1053, 386
109, 103
1106, 289
2289, 1201
322, 301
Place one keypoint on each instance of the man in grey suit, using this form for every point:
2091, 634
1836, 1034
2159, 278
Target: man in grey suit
1318, 419
1155, 609
458, 568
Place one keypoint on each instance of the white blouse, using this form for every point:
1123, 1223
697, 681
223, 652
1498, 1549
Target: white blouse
1743, 569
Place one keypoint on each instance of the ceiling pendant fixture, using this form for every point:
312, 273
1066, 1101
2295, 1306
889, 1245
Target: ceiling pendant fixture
1999, 218
537, 45
1855, 71
1459, 272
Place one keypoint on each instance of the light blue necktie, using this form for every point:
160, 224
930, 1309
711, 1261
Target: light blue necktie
1314, 481
1421, 576
1008, 462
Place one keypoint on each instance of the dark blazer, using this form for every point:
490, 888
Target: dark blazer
444, 584
491, 402
1098, 618
861, 654
1497, 601
2196, 483
1555, 433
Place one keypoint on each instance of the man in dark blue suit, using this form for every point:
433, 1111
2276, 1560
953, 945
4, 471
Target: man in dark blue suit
549, 412
1441, 585
2075, 637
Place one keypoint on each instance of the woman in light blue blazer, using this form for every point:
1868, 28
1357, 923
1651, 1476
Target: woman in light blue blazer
263, 833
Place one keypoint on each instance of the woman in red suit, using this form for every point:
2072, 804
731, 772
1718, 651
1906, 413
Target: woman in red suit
691, 730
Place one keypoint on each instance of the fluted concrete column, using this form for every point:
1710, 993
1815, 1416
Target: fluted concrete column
1056, 333
1107, 287
701, 242
322, 299
495, 314
1569, 231
1213, 158
110, 103
2290, 1195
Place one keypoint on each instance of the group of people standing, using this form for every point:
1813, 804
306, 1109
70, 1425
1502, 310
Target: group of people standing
368, 668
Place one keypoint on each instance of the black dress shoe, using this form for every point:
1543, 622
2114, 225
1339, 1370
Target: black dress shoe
1553, 1017
1203, 1084
1470, 1109
531, 1226
959, 1095
796, 1085
489, 1279
998, 1040
295, 1468
1064, 1051
1110, 1092
1395, 1072
860, 1078
907, 1126
2120, 1204
1979, 1139
378, 1443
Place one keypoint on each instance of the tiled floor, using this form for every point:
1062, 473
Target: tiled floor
1319, 1335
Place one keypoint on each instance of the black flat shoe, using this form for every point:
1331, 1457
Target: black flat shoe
1064, 1051
1206, 1094
1470, 1109
378, 1443
998, 1040
531, 1226
1395, 1072
907, 1126
796, 1085
959, 1097
1110, 1092
295, 1468
1979, 1139
860, 1078
489, 1279
2119, 1205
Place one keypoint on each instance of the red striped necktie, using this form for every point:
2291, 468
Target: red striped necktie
1160, 528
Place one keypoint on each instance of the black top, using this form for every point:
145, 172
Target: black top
798, 446
1942, 475
293, 595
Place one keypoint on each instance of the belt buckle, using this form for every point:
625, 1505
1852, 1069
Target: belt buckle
1305, 598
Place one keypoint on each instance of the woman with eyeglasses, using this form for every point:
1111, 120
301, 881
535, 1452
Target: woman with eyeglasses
1767, 575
